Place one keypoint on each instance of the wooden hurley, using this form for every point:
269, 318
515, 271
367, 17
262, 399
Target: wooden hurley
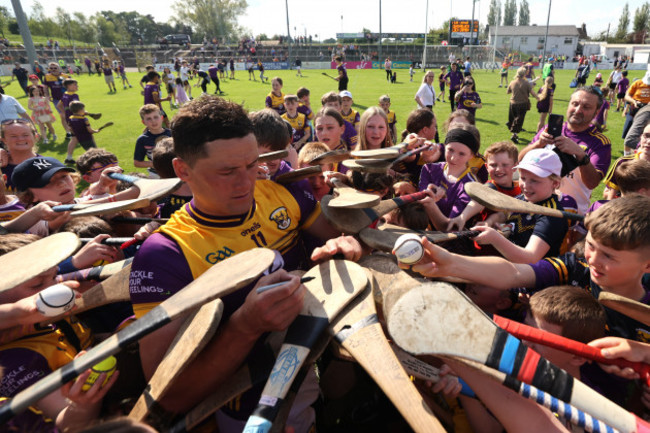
565, 410
635, 310
105, 125
31, 260
497, 201
384, 239
383, 153
358, 330
96, 272
327, 75
331, 157
194, 334
358, 165
463, 330
300, 174
347, 197
337, 282
220, 280
105, 208
272, 156
152, 189
351, 221
380, 165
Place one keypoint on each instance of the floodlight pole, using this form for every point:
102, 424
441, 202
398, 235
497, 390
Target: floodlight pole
286, 7
548, 18
380, 37
24, 31
496, 30
426, 28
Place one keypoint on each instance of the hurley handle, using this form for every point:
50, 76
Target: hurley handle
410, 198
535, 335
123, 177
411, 153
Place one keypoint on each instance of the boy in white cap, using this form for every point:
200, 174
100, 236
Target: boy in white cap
532, 237
347, 112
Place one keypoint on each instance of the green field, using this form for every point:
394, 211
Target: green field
365, 85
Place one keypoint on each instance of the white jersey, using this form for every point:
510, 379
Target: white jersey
185, 73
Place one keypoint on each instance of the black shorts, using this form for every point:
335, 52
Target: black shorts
88, 144
620, 95
582, 80
343, 84
170, 88
612, 86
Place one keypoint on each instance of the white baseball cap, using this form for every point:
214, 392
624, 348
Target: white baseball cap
345, 93
542, 162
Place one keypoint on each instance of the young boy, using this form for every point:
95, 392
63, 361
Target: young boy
122, 72
342, 78
532, 237
162, 157
617, 255
108, 77
384, 103
501, 158
272, 134
275, 98
298, 121
152, 118
145, 78
348, 113
350, 135
152, 94
92, 165
317, 183
80, 128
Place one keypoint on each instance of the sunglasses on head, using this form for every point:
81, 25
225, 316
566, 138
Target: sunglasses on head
12, 121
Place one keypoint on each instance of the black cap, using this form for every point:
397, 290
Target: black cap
36, 172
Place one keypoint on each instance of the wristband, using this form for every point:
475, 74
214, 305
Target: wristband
584, 161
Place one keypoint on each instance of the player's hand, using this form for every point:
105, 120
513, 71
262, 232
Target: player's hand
568, 146
43, 210
27, 313
544, 140
435, 262
94, 251
434, 194
272, 310
432, 155
456, 223
107, 182
616, 347
82, 399
346, 245
263, 172
448, 384
330, 175
146, 230
487, 236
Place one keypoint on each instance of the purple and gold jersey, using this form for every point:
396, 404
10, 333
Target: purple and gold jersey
352, 117
569, 269
392, 119
107, 71
303, 109
191, 242
456, 198
455, 79
213, 71
79, 126
350, 135
67, 98
55, 83
610, 178
599, 150
151, 93
43, 350
466, 99
529, 70
11, 210
299, 125
275, 102
342, 71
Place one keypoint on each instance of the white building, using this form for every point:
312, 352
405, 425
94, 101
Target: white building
562, 40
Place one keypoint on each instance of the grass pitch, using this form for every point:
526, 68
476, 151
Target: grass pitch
366, 87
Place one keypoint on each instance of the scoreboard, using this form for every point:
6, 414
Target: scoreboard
463, 28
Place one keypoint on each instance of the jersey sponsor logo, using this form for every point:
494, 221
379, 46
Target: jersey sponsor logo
255, 227
281, 218
219, 255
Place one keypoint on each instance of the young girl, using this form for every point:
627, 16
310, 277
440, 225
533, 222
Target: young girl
275, 98
467, 97
441, 83
329, 127
447, 179
170, 83
532, 237
545, 101
41, 112
181, 95
373, 129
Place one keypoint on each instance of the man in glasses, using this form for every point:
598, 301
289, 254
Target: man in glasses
54, 82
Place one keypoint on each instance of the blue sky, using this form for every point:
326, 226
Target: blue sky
324, 17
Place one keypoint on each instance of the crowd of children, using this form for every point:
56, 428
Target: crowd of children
544, 271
